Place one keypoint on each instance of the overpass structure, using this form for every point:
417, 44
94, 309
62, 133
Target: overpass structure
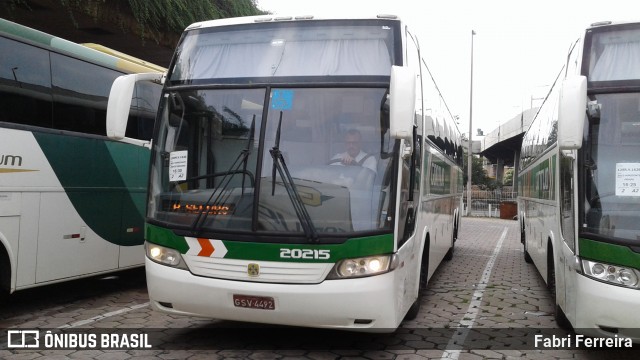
502, 145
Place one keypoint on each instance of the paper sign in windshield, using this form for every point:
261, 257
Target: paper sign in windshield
628, 179
178, 165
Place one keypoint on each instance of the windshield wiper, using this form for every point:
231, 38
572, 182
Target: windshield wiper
222, 198
287, 181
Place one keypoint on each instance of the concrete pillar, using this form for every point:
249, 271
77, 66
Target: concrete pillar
500, 169
516, 169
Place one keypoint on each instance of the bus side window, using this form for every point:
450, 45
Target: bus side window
25, 74
81, 91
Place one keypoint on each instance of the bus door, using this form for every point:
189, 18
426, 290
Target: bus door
565, 271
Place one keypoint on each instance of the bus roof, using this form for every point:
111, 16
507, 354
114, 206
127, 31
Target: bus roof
282, 18
104, 58
611, 23
129, 60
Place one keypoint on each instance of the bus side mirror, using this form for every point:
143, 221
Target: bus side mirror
402, 94
571, 112
119, 103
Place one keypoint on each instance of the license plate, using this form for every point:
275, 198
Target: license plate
254, 302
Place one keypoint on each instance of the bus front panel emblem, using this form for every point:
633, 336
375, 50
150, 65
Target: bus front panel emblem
253, 269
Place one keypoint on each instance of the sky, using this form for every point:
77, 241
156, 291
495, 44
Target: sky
518, 49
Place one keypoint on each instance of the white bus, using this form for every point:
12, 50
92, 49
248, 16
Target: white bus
72, 201
304, 172
579, 187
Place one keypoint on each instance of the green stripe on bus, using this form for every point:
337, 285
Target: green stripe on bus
25, 32
105, 181
539, 181
355, 247
610, 253
240, 250
165, 237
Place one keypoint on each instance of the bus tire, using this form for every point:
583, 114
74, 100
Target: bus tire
414, 310
559, 315
561, 319
527, 257
5, 274
449, 255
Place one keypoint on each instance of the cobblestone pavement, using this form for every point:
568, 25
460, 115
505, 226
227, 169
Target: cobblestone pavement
487, 298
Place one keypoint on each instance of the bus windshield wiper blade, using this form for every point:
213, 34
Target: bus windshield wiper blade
221, 198
247, 150
287, 181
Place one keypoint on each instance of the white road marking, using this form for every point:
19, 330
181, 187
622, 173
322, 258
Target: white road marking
469, 317
103, 316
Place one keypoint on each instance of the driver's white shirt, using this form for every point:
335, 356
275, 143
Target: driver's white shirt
369, 163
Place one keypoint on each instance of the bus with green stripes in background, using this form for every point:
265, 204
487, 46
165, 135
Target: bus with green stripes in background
304, 171
579, 184
72, 201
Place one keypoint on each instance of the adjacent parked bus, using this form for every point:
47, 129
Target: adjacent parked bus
72, 201
304, 172
579, 187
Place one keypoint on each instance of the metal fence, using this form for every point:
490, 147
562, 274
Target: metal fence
499, 203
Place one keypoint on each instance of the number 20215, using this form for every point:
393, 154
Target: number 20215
315, 254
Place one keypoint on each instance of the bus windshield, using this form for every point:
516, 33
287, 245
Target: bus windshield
612, 199
318, 158
285, 49
614, 54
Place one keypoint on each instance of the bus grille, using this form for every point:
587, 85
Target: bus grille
269, 271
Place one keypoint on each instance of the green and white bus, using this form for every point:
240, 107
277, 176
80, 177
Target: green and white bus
72, 201
579, 187
256, 213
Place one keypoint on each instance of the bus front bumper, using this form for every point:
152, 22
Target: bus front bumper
365, 304
605, 310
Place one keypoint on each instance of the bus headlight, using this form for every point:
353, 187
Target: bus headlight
613, 274
364, 266
164, 255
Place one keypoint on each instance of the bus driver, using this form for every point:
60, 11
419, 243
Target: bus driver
354, 155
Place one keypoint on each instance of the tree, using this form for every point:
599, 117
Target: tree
507, 179
478, 174
159, 20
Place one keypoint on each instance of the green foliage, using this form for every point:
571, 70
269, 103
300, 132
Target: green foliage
478, 174
507, 179
157, 15
176, 15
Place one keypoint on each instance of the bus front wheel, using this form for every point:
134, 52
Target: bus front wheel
5, 274
414, 310
527, 257
559, 315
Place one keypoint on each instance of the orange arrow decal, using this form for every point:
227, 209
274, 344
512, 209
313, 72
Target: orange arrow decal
207, 247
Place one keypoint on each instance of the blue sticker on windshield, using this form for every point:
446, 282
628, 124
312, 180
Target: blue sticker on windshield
282, 99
